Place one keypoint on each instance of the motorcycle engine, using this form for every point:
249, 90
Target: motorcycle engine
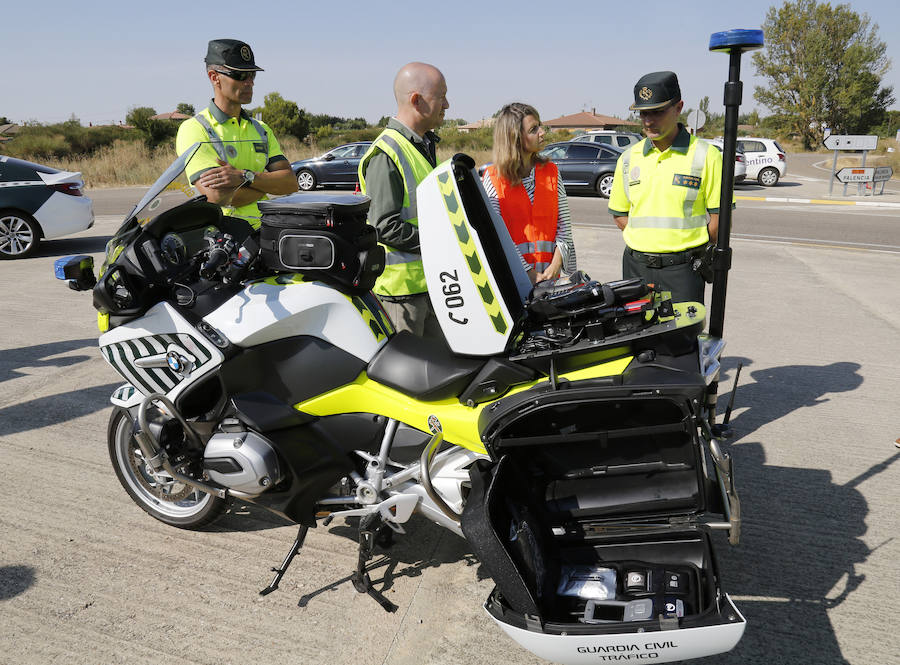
242, 461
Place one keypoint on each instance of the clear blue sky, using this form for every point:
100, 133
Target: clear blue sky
98, 59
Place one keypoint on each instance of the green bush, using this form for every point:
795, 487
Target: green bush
37, 142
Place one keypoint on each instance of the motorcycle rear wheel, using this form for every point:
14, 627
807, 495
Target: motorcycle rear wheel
159, 495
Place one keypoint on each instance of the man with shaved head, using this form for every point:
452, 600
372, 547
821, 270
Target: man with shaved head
398, 160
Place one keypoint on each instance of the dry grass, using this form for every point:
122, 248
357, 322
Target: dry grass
121, 164
127, 163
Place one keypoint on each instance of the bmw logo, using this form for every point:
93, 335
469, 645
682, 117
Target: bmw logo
175, 362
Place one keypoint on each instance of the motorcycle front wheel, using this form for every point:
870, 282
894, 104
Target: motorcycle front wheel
157, 493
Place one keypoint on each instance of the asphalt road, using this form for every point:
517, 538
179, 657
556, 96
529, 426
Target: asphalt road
86, 577
868, 227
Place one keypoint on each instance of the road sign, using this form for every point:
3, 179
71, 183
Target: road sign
850, 142
856, 174
696, 120
883, 173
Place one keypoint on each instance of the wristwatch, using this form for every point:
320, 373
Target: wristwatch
249, 176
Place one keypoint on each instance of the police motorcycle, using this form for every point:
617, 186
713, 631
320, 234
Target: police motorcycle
566, 431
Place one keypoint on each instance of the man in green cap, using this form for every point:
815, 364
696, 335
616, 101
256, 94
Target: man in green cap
241, 161
665, 193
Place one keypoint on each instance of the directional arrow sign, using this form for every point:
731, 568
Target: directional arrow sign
850, 142
856, 174
883, 173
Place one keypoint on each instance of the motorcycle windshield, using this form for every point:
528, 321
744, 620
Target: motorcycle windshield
168, 191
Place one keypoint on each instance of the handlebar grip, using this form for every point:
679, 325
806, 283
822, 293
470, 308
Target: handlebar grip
217, 257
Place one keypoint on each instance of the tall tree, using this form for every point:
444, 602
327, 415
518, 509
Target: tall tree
284, 116
184, 107
154, 132
823, 66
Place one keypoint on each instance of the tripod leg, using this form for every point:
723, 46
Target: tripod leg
279, 572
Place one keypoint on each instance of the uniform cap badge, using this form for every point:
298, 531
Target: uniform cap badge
646, 93
246, 54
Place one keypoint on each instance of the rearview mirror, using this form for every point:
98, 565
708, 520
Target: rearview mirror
77, 270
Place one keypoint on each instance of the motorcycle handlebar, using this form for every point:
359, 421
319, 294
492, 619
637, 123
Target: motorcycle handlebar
219, 253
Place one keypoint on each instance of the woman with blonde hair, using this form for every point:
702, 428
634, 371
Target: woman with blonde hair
527, 192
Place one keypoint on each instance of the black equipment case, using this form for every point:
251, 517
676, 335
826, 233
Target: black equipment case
595, 522
324, 236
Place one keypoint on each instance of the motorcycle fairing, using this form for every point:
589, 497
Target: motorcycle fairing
290, 305
476, 282
127, 396
458, 422
164, 355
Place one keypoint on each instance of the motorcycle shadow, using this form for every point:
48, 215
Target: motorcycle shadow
403, 555
66, 246
245, 517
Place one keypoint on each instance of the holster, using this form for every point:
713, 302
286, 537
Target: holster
702, 263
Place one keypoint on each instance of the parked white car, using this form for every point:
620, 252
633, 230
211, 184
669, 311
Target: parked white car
38, 203
610, 137
766, 160
740, 160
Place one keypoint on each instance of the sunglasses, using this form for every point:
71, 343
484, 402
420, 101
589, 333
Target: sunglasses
237, 76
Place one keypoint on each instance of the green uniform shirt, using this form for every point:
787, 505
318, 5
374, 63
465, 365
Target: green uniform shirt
667, 195
251, 153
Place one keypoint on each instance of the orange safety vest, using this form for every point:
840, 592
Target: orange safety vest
532, 226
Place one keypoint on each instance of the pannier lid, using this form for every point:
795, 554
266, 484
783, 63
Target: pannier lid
317, 203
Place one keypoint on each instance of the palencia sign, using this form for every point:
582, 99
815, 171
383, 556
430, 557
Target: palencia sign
850, 142
856, 174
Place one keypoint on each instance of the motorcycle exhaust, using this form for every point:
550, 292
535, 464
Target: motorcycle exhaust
425, 466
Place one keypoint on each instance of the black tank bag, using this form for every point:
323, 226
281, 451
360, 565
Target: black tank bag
323, 236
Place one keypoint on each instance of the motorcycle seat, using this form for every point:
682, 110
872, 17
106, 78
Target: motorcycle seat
424, 369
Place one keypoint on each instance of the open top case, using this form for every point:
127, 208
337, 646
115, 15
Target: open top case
595, 516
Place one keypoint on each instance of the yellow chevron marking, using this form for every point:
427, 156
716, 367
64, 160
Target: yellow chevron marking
467, 244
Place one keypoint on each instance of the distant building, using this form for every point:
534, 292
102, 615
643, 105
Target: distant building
172, 115
7, 132
588, 120
472, 126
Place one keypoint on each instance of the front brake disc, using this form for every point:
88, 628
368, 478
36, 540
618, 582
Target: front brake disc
160, 484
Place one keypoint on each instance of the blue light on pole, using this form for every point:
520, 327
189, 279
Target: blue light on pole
743, 40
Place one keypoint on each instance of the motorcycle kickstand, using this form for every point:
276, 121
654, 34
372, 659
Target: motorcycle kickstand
279, 572
361, 580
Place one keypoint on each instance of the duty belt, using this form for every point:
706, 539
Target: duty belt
664, 260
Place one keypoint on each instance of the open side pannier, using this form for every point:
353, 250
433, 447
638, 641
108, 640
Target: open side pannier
595, 525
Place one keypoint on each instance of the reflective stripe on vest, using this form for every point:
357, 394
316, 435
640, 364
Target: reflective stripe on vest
532, 225
672, 232
216, 140
404, 273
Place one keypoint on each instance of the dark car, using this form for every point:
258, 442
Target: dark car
584, 167
38, 202
336, 168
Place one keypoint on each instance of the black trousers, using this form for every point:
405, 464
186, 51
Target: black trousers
685, 284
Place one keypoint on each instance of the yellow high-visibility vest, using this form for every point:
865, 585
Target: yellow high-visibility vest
666, 195
403, 271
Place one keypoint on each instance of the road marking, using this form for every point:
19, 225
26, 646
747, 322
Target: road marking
777, 199
779, 240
